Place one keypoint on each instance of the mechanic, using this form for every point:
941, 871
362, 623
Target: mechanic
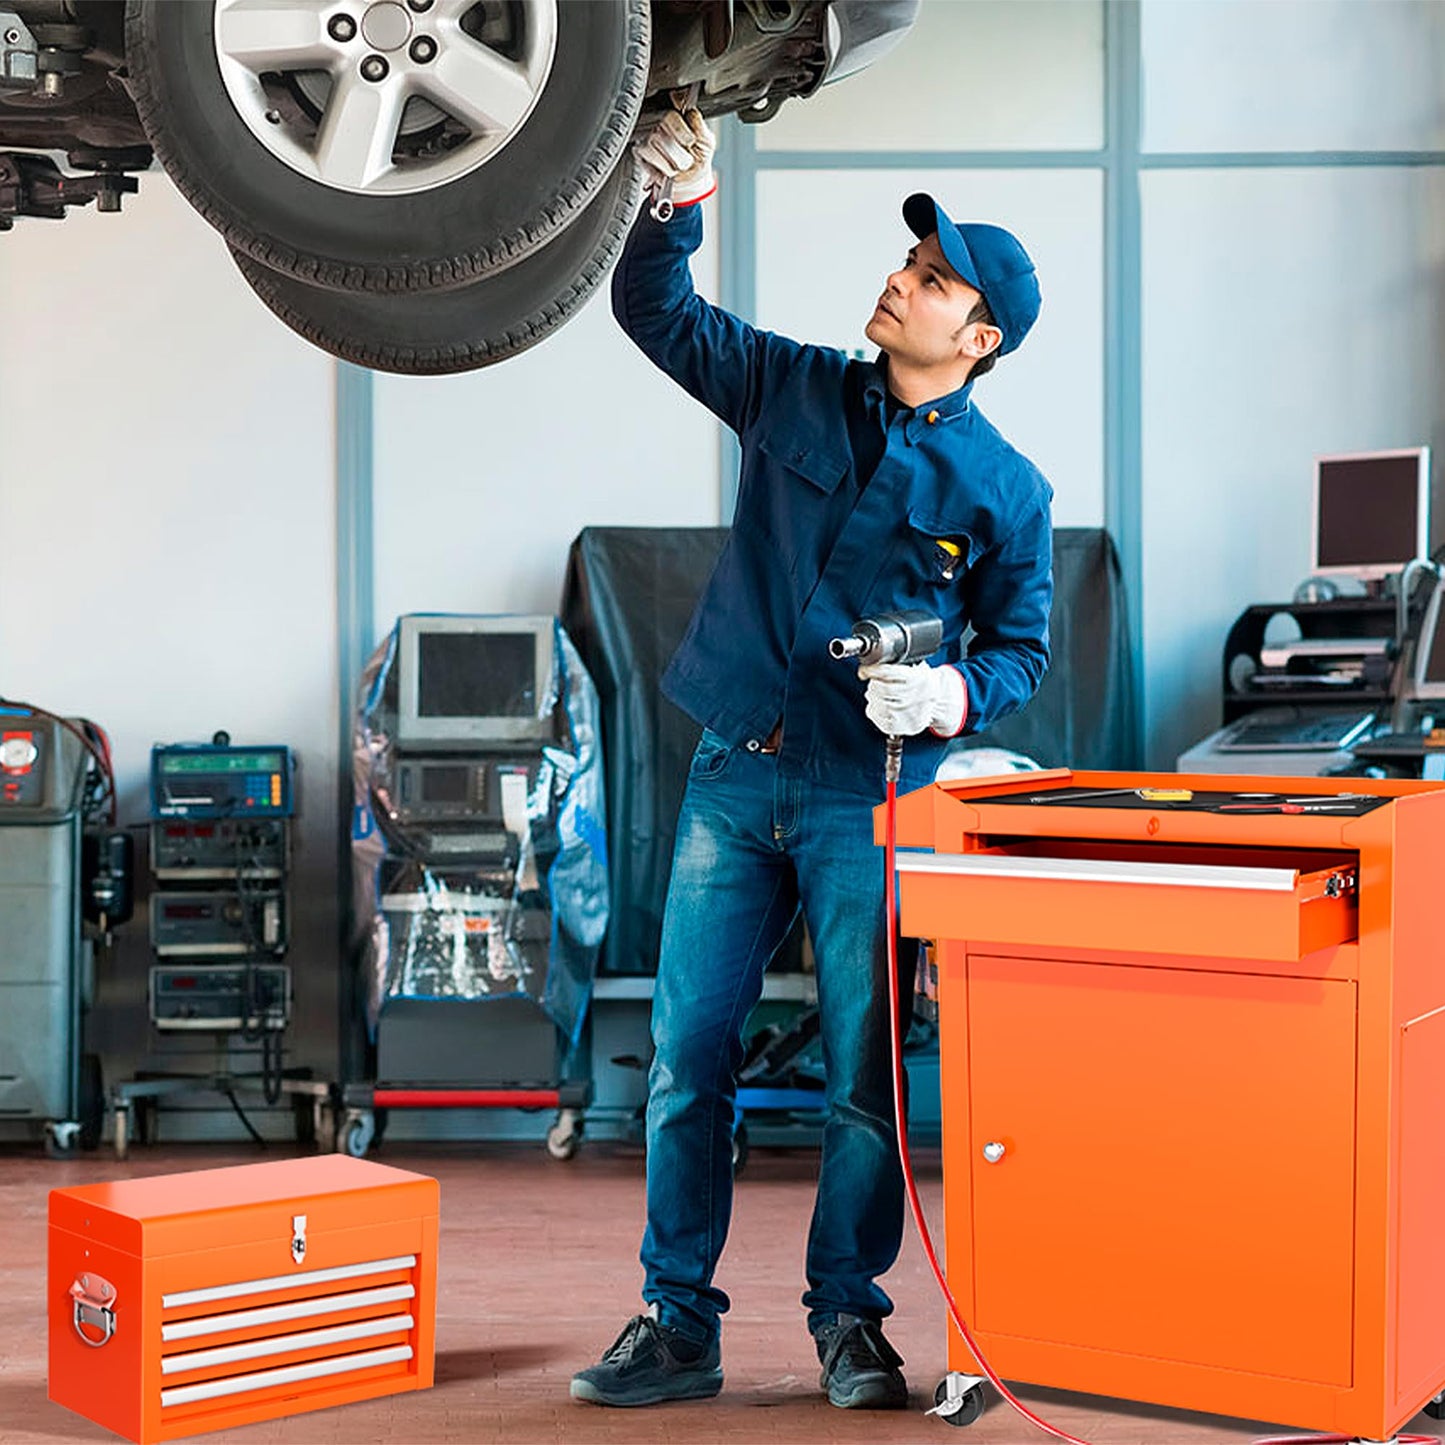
865, 487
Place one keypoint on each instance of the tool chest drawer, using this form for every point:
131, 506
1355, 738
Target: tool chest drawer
201, 1301
1268, 904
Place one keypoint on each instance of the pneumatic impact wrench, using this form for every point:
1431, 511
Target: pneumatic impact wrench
891, 637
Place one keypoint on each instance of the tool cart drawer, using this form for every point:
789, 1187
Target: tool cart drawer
1257, 906
194, 1302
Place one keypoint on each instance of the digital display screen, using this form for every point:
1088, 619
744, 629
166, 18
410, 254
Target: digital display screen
444, 785
187, 910
221, 762
1369, 511
476, 675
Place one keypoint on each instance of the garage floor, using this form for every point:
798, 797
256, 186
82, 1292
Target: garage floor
539, 1263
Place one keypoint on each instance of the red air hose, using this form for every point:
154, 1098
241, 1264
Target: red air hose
890, 897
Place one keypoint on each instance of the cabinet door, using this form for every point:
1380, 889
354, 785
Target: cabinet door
1177, 1177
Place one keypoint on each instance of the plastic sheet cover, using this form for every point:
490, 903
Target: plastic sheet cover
505, 895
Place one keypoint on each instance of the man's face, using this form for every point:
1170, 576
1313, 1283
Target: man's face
922, 316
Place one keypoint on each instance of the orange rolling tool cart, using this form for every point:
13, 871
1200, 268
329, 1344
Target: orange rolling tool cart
194, 1302
1193, 1067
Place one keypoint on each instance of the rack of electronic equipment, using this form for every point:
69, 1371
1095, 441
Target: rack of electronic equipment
480, 874
220, 851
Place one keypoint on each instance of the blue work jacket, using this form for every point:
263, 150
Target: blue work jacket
811, 552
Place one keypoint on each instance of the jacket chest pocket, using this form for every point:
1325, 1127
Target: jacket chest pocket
815, 464
939, 550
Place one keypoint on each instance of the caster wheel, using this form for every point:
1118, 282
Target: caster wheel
357, 1133
1435, 1408
62, 1139
562, 1143
740, 1148
970, 1408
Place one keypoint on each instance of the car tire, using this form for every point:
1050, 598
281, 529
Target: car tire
445, 234
431, 333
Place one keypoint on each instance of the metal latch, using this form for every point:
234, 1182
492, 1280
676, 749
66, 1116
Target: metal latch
298, 1237
93, 1298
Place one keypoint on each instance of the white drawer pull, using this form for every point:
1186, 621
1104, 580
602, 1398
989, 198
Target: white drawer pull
1100, 870
283, 1344
264, 1379
284, 1281
300, 1309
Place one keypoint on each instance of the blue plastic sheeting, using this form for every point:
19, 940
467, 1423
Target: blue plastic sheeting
527, 917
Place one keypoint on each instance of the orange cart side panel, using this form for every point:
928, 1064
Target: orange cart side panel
1419, 1200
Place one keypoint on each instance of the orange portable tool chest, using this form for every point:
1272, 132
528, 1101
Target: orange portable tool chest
1192, 1039
193, 1302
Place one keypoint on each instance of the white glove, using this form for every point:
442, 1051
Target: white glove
681, 146
905, 698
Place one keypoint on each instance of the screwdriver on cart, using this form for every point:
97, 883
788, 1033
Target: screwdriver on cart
1149, 795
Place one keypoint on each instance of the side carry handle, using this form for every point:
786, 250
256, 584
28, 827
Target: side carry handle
93, 1298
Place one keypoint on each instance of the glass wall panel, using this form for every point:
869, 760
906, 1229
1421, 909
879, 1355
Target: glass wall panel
1324, 331
970, 75
1293, 75
827, 240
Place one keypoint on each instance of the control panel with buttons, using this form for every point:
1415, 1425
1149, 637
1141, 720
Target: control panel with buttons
23, 758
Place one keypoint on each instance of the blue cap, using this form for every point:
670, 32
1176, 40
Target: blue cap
989, 258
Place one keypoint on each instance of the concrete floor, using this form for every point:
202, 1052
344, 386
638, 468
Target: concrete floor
540, 1270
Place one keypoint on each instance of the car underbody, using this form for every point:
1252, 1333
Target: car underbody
377, 150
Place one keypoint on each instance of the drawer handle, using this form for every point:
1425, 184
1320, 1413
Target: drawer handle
93, 1297
994, 1151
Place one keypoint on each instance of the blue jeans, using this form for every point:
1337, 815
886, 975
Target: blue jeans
753, 844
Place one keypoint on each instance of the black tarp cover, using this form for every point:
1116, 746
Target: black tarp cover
629, 594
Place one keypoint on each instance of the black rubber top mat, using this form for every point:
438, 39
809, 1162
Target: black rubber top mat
1151, 799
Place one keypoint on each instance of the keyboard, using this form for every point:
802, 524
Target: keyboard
1314, 649
1294, 730
495, 845
1410, 745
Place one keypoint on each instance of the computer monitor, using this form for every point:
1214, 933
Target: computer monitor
1427, 674
473, 682
1371, 512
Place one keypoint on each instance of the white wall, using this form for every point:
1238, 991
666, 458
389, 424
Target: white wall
1293, 75
1048, 397
167, 533
483, 480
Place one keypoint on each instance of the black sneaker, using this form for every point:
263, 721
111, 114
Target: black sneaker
649, 1363
860, 1367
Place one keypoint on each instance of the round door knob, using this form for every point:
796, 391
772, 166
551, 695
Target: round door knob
993, 1152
